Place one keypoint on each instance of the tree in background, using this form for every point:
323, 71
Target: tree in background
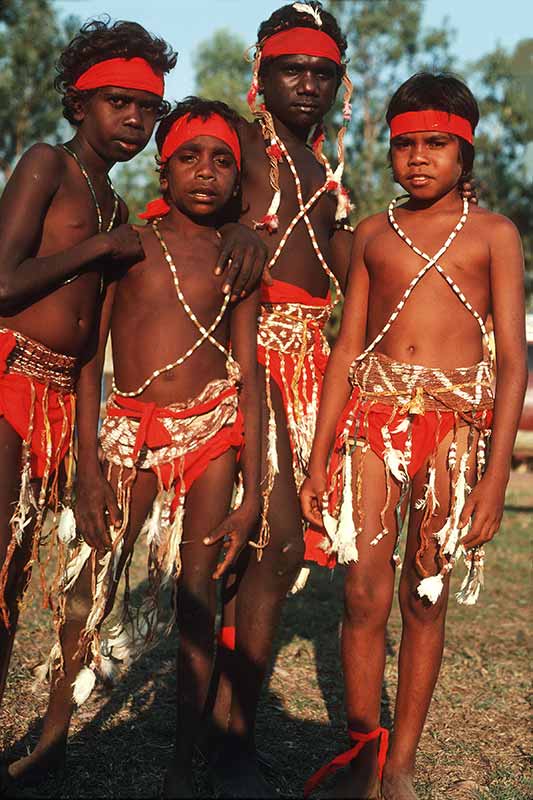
31, 37
221, 72
504, 139
137, 182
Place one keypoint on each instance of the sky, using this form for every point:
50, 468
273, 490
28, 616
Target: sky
480, 25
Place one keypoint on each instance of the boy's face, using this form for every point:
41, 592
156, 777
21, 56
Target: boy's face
200, 177
427, 164
299, 90
118, 122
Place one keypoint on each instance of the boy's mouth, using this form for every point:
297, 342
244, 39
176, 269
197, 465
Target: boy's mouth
419, 180
129, 146
203, 194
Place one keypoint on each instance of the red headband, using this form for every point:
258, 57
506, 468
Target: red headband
186, 128
431, 120
128, 73
304, 41
183, 130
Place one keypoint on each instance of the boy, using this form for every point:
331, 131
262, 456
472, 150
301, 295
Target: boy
51, 269
416, 424
171, 437
292, 197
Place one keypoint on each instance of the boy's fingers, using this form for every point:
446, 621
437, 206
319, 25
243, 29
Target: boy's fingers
115, 515
215, 536
466, 513
243, 277
231, 554
222, 260
267, 277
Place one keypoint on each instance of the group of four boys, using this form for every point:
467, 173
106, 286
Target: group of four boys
217, 373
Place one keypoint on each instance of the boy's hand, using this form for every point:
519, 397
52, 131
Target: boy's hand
242, 256
485, 502
124, 244
312, 494
95, 510
235, 531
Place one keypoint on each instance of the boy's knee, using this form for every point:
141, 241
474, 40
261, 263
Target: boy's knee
420, 611
366, 601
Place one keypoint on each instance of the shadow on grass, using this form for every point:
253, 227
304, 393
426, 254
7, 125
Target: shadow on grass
123, 749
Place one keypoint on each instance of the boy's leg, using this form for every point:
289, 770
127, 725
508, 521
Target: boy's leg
368, 594
262, 588
423, 628
49, 753
10, 454
207, 504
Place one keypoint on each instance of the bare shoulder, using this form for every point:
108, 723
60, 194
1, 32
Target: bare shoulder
371, 226
494, 226
40, 161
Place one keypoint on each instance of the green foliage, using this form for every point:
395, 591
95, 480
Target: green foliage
30, 110
222, 72
504, 139
137, 182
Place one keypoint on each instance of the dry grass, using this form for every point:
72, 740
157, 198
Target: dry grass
475, 745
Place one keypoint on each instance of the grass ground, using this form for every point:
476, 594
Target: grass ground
475, 744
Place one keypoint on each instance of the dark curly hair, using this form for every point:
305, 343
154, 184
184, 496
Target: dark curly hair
287, 17
441, 92
99, 40
200, 107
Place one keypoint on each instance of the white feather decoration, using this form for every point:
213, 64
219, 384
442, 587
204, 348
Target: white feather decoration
305, 8
301, 580
431, 588
67, 526
346, 532
83, 685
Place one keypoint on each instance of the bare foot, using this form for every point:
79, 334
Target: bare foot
357, 783
398, 786
46, 760
178, 783
235, 772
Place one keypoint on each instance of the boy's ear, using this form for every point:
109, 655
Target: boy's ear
237, 186
77, 105
163, 182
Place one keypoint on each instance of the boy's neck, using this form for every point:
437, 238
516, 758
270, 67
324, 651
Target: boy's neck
184, 225
290, 136
447, 202
93, 162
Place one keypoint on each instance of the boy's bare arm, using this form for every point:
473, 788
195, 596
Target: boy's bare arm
341, 248
336, 388
93, 493
23, 209
238, 525
486, 500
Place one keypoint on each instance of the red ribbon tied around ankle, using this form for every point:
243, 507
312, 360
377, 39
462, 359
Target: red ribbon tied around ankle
345, 758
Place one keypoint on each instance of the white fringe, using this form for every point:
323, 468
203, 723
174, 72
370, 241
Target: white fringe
300, 581
346, 531
431, 588
67, 525
83, 685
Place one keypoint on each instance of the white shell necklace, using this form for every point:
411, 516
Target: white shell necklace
206, 333
431, 262
93, 193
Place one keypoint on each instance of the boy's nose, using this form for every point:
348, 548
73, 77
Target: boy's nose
418, 154
134, 116
308, 84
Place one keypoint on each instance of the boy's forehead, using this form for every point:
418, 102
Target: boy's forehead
136, 94
205, 142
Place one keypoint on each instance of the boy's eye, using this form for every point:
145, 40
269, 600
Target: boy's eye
117, 102
224, 161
